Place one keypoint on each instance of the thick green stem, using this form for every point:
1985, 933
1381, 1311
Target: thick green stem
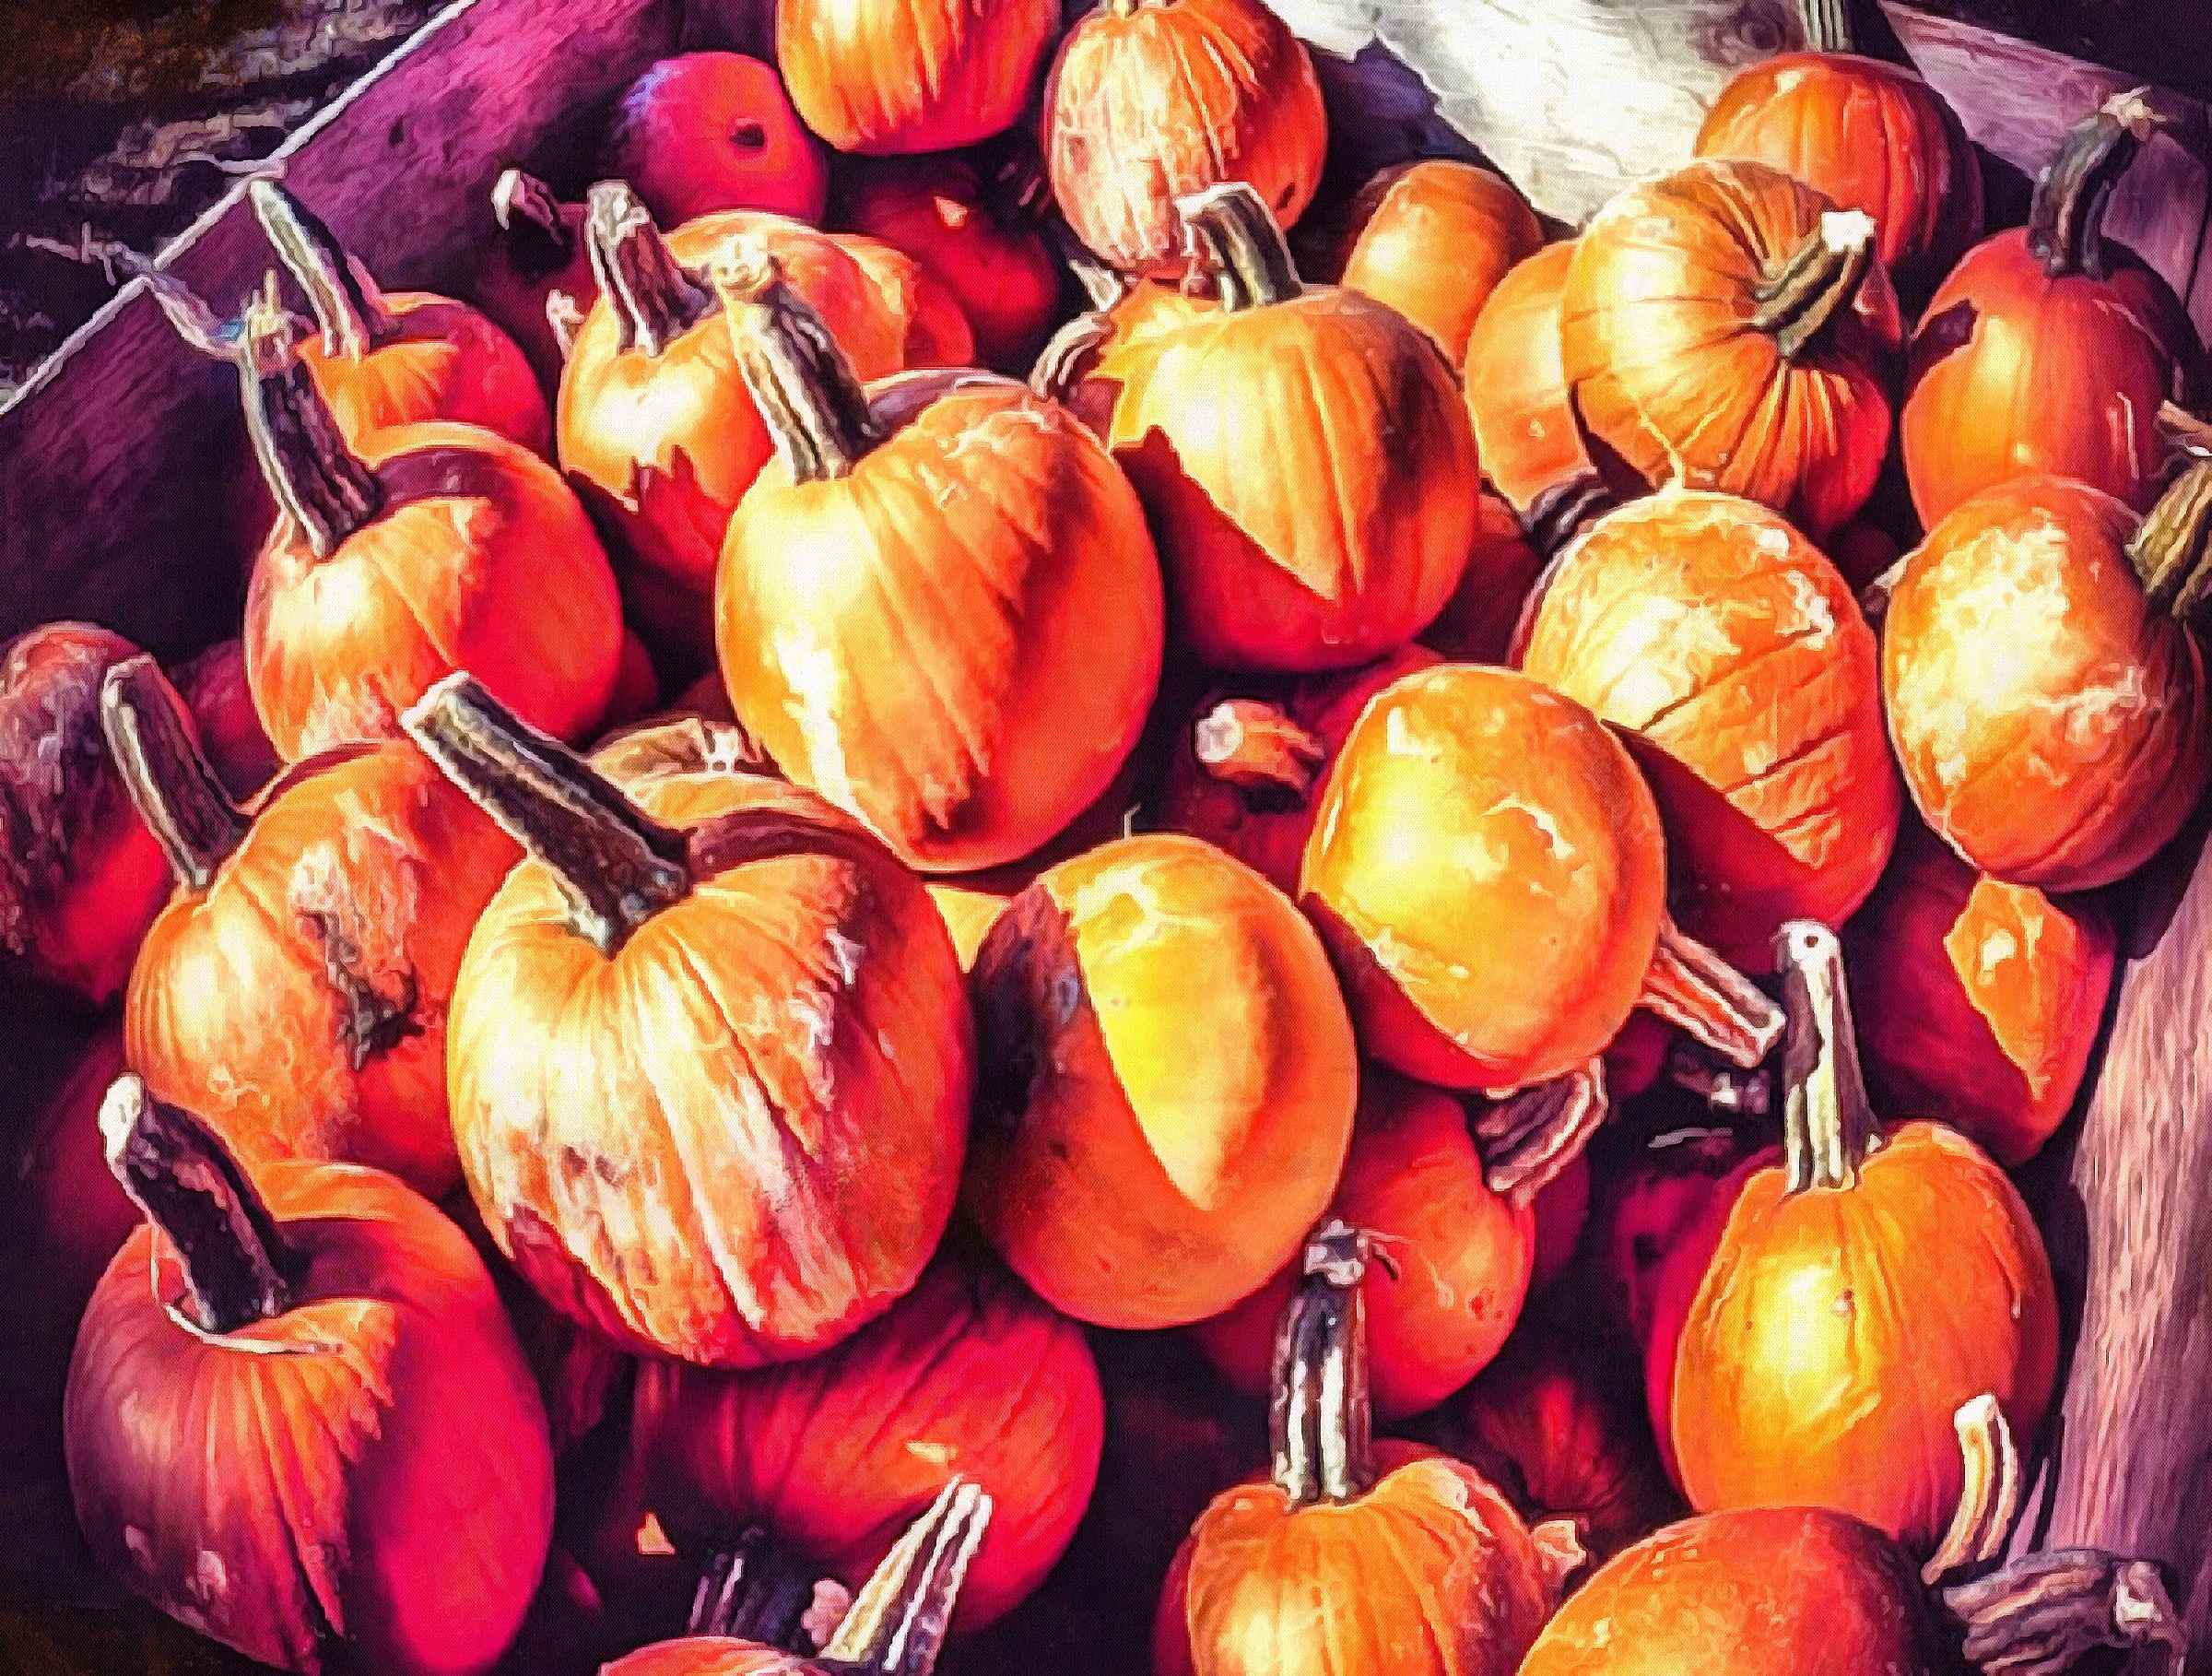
1821, 277
1242, 244
1829, 1127
1320, 1421
2065, 222
809, 396
2172, 551
174, 786
656, 300
900, 1619
1827, 25
348, 305
538, 240
317, 480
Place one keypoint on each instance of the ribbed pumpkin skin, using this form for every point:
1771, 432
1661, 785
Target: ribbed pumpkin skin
836, 1456
1729, 650
445, 364
737, 1140
1310, 477
1771, 1591
1432, 239
989, 570
901, 76
1667, 370
1525, 420
2051, 725
1177, 96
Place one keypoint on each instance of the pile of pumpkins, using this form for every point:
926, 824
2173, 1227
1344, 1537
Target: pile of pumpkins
794, 1005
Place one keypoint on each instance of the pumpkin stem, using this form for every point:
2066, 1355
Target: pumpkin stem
1529, 1137
1565, 510
319, 483
1722, 1087
1066, 362
2172, 551
1694, 989
655, 298
1991, 1499
1827, 25
1254, 746
2188, 434
1242, 244
1821, 276
348, 307
899, 1620
565, 315
1829, 1126
1103, 285
1319, 1420
2065, 221
172, 785
808, 395
758, 1590
616, 867
538, 240
2046, 1613
238, 1268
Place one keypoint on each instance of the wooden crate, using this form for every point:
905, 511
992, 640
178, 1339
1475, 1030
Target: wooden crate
116, 460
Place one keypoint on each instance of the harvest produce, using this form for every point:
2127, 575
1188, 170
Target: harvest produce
708, 131
1432, 240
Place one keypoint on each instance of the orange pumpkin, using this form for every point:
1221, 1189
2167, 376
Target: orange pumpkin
1734, 659
1337, 530
395, 561
1432, 239
1643, 1206
1453, 1265
403, 357
709, 1058
539, 252
1171, 1087
1814, 1335
933, 331
1487, 868
1086, 361
214, 687
311, 1437
1727, 327
2048, 348
900, 76
2049, 711
939, 607
702, 132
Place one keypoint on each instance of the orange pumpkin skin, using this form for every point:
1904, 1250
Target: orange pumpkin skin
1151, 99
900, 76
933, 331
1670, 369
703, 132
1730, 651
1477, 623
1414, 1181
1132, 1178
445, 362
214, 685
968, 1374
1432, 239
1981, 1000
1645, 1208
1729, 1591
2051, 724
1868, 136
1516, 382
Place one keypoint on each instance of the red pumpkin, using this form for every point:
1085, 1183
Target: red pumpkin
2050, 347
80, 876
311, 1437
702, 132
1481, 620
1150, 101
215, 688
539, 254
933, 332
900, 76
1981, 1002
402, 357
1432, 239
709, 1058
394, 562
1644, 1206
1563, 1212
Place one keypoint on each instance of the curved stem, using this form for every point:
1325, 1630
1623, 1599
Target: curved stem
1242, 244
317, 480
1528, 1138
1565, 510
1826, 25
616, 867
1320, 1423
539, 240
655, 298
1990, 1499
172, 785
898, 1620
237, 1264
1821, 276
2065, 221
2045, 1614
808, 395
348, 305
2172, 551
1068, 360
1829, 1126
758, 1590
1694, 989
1255, 745
1103, 285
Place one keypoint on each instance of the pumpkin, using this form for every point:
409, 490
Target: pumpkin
213, 686
1336, 531
1814, 1335
1981, 1000
637, 692
1452, 1265
1481, 621
1726, 327
1563, 1212
1644, 1204
988, 252
1086, 363
933, 332
295, 988
311, 1437
901, 76
1151, 100
709, 1056
1423, 1564
939, 606
538, 255
1735, 661
1867, 134
1864, 552
702, 132
1432, 239
1171, 1088
2049, 711
2050, 346
1485, 864
80, 875
394, 560
968, 1376
656, 430
399, 358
